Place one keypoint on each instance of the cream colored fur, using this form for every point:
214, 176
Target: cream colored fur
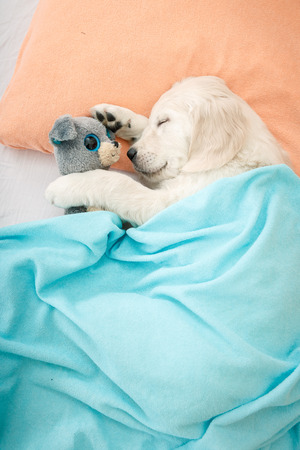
198, 132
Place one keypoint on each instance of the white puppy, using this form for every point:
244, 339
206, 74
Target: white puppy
198, 132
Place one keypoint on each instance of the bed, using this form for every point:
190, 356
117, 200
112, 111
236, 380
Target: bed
184, 332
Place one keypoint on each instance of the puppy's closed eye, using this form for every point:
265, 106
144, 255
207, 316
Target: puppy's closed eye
160, 122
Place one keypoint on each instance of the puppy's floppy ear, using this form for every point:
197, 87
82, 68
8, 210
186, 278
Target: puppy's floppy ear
218, 133
63, 129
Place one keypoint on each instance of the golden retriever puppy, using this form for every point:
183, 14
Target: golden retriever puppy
198, 132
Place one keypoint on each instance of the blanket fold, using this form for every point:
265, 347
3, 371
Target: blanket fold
184, 332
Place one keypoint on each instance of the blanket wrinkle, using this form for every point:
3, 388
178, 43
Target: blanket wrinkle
277, 399
179, 333
230, 336
27, 352
112, 409
105, 407
241, 238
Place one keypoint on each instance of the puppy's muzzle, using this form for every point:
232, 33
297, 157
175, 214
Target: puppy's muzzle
132, 152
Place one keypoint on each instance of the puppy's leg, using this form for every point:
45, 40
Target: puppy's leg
112, 191
122, 121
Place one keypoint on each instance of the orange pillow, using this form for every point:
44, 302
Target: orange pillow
80, 53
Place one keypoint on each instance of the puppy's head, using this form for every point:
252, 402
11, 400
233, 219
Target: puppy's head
197, 125
163, 147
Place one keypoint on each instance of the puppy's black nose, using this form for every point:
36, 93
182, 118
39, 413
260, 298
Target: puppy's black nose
116, 144
131, 153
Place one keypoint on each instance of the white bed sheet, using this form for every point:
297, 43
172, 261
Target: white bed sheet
24, 174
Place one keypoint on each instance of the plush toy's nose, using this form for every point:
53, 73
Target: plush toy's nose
116, 144
131, 153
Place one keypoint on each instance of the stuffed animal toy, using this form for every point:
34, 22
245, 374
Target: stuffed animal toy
82, 144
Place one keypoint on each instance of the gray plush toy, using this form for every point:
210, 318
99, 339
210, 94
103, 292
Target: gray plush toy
82, 144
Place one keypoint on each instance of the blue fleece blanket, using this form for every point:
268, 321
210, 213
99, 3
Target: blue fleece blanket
184, 332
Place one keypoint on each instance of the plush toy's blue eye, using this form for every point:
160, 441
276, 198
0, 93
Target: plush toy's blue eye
108, 133
56, 142
92, 142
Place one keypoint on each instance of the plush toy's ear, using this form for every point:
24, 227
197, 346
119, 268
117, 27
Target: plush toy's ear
63, 130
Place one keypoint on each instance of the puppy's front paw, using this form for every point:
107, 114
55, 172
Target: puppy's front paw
61, 192
115, 118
